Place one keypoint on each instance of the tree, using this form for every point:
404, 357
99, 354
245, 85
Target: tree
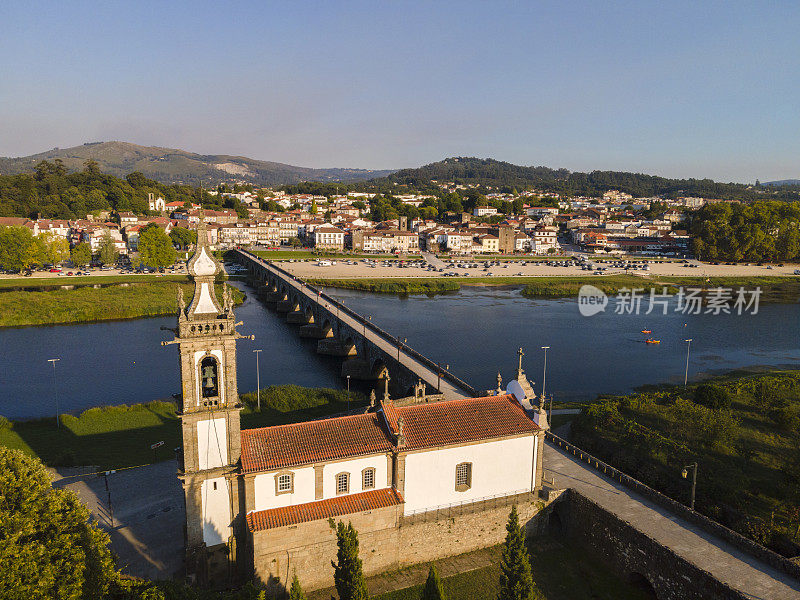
18, 248
155, 247
108, 251
81, 254
712, 396
433, 589
55, 249
48, 547
296, 592
183, 237
516, 581
91, 166
348, 575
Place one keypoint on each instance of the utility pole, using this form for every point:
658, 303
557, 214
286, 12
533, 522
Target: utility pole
399, 344
258, 379
544, 370
55, 391
686, 374
685, 474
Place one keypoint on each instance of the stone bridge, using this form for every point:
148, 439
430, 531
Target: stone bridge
368, 353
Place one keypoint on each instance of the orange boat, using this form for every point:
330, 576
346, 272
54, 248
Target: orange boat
652, 341
646, 331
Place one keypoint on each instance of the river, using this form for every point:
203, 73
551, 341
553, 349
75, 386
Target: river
476, 331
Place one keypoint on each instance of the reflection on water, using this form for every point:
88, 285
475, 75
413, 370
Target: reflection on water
476, 331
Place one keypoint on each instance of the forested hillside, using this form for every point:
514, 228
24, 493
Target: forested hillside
506, 176
52, 192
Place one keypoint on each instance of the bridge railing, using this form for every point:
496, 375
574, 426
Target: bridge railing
710, 526
446, 375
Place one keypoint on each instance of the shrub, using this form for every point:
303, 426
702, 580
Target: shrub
712, 396
786, 417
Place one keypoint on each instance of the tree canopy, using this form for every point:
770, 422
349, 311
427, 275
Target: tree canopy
155, 247
48, 548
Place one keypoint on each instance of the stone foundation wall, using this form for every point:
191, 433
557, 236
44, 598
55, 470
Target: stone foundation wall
386, 540
634, 555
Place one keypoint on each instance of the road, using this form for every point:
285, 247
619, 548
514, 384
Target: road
144, 518
725, 562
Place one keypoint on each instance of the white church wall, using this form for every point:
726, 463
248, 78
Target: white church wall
303, 490
212, 446
216, 511
498, 468
354, 468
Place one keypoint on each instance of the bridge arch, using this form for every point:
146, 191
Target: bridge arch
379, 369
349, 347
309, 314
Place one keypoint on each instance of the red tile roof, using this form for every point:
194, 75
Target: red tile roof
323, 509
312, 442
424, 426
463, 420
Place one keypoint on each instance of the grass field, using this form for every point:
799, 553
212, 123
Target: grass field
123, 300
120, 436
560, 572
50, 282
774, 289
748, 455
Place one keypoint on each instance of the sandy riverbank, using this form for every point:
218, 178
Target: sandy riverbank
359, 270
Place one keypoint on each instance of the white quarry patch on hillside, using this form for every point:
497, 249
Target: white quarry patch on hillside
234, 168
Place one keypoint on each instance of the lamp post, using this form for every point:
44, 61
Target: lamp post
55, 391
399, 344
685, 474
258, 379
686, 373
544, 369
365, 325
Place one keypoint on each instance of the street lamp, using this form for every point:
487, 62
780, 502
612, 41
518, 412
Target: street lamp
365, 325
685, 474
686, 374
258, 379
399, 344
348, 393
55, 392
544, 369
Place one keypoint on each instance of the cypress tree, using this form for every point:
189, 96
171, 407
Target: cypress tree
516, 581
348, 576
296, 591
433, 589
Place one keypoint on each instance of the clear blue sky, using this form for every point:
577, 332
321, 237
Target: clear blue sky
702, 89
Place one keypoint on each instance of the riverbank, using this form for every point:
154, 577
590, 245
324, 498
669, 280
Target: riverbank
785, 290
741, 429
111, 437
124, 298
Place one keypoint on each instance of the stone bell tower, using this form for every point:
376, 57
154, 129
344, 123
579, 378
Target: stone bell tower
209, 413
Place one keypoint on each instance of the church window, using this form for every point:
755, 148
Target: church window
284, 483
463, 476
208, 375
343, 483
368, 478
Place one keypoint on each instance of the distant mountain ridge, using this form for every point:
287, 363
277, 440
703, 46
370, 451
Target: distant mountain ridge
784, 182
168, 165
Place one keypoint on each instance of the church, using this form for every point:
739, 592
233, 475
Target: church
419, 478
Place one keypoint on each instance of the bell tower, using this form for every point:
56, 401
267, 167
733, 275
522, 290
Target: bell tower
209, 414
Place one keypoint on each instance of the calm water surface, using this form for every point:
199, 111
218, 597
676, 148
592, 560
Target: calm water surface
476, 331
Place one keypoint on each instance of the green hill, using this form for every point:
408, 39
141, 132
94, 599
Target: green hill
506, 177
168, 165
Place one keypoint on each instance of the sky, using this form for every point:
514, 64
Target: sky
679, 89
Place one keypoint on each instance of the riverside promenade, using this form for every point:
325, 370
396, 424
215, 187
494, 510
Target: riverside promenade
726, 563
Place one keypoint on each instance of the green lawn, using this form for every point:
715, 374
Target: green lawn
149, 298
120, 436
748, 454
34, 282
561, 571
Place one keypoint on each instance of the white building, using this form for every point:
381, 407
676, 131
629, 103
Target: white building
484, 211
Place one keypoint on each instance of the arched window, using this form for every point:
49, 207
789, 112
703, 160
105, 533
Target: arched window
209, 381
